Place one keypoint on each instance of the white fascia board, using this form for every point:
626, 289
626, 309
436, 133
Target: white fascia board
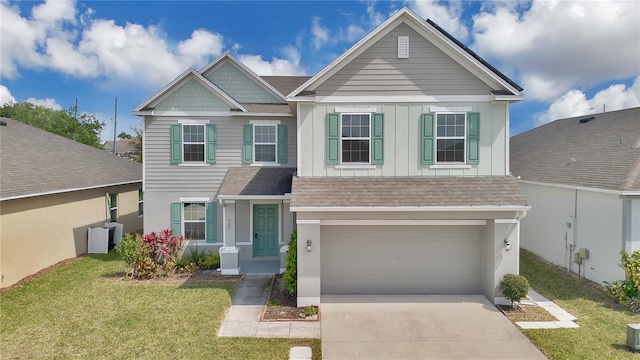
405, 222
217, 62
255, 197
301, 99
631, 193
62, 191
250, 114
142, 113
509, 98
574, 187
191, 113
408, 208
402, 98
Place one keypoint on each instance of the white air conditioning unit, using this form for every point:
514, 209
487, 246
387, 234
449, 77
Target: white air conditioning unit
633, 336
117, 231
98, 240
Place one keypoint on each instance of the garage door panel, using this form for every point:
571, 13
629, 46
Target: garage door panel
415, 260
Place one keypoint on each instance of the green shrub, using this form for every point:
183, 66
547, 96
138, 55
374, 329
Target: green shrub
309, 311
290, 278
514, 287
131, 249
146, 269
210, 261
627, 291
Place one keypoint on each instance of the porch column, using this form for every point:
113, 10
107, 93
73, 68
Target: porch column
308, 263
229, 257
287, 229
506, 261
631, 225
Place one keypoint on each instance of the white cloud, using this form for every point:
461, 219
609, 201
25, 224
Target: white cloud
352, 33
320, 34
576, 103
561, 45
5, 95
47, 102
446, 16
288, 65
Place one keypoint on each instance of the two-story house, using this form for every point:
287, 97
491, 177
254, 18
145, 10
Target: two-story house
391, 163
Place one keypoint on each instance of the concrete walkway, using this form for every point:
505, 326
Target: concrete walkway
565, 320
243, 317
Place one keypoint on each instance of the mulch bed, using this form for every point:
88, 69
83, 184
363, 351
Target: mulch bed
287, 309
525, 313
196, 277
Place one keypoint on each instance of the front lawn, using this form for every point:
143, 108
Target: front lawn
86, 310
602, 333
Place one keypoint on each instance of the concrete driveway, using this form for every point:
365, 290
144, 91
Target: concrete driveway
419, 327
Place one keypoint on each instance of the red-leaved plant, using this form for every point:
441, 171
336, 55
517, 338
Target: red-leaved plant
163, 246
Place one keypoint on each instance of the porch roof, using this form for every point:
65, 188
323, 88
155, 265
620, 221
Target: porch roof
409, 192
257, 181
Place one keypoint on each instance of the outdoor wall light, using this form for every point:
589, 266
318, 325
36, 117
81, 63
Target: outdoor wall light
507, 245
309, 245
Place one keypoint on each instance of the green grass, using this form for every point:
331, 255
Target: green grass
87, 311
602, 333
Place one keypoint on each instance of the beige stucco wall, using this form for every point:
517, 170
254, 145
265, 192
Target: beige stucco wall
40, 231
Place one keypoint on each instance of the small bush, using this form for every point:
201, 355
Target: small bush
273, 303
146, 269
627, 291
131, 249
210, 261
514, 287
309, 311
290, 277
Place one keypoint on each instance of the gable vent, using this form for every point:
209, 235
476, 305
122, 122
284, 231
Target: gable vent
403, 47
586, 120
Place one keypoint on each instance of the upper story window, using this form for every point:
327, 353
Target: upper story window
450, 137
355, 138
193, 143
265, 145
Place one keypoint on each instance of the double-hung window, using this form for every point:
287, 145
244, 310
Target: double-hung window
113, 207
355, 138
193, 143
450, 137
264, 144
194, 220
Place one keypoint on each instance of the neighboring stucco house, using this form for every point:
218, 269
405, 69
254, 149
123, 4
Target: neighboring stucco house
391, 163
581, 176
52, 189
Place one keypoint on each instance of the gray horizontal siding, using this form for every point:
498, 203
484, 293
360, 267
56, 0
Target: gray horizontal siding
427, 71
161, 175
243, 89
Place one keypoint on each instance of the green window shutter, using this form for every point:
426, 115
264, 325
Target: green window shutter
426, 143
176, 144
211, 143
333, 138
377, 139
247, 144
282, 144
473, 137
176, 218
212, 216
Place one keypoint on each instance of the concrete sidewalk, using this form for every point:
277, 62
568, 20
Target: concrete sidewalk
243, 317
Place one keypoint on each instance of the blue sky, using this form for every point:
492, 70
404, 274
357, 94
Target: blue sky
571, 57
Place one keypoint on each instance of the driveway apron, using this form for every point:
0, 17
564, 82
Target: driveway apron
419, 327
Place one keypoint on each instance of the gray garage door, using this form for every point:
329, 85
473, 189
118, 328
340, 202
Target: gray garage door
400, 259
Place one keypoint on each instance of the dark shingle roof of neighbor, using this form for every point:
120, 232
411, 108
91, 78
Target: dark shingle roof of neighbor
286, 84
603, 152
34, 161
406, 191
257, 181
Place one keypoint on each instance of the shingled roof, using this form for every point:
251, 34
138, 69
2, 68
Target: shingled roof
35, 162
597, 151
285, 84
406, 192
257, 181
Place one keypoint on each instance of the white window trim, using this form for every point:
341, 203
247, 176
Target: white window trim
140, 202
253, 148
349, 164
203, 143
195, 199
192, 122
464, 137
184, 228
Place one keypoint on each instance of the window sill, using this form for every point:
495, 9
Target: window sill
194, 164
450, 166
355, 167
265, 164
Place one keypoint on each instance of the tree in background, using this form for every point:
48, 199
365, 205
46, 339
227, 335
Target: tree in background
123, 135
84, 128
137, 144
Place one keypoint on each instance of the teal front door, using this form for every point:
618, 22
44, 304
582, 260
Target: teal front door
265, 230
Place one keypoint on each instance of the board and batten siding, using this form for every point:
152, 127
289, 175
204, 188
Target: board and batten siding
192, 96
427, 71
402, 140
235, 83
